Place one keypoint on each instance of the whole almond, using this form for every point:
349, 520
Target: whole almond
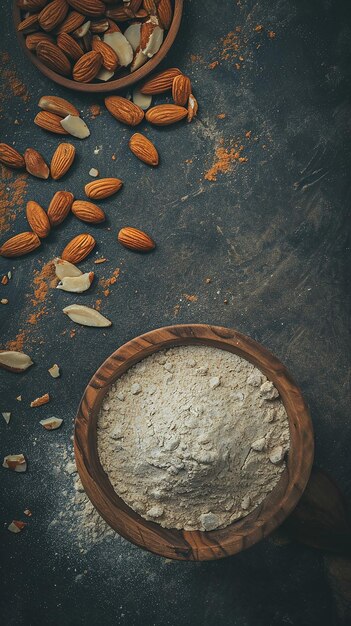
29, 24
33, 39
165, 114
144, 149
50, 121
59, 207
102, 188
69, 46
20, 244
88, 212
78, 248
92, 8
109, 57
87, 67
135, 239
62, 160
71, 22
161, 82
164, 13
11, 157
35, 164
53, 14
124, 110
37, 219
181, 89
57, 105
51, 55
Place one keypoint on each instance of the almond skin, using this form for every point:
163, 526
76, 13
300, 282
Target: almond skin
59, 106
20, 244
124, 111
78, 248
71, 22
50, 121
88, 212
35, 164
59, 207
92, 8
109, 57
181, 89
62, 160
102, 188
37, 219
165, 114
144, 149
164, 13
33, 39
11, 157
87, 67
135, 239
161, 82
53, 14
69, 46
51, 55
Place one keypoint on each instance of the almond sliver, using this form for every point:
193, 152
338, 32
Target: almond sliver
86, 316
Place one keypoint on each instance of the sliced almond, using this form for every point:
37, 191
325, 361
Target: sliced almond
138, 61
132, 33
64, 269
14, 361
83, 30
57, 105
104, 74
51, 423
75, 126
121, 46
76, 284
16, 526
151, 37
86, 316
7, 416
40, 401
141, 100
15, 462
54, 371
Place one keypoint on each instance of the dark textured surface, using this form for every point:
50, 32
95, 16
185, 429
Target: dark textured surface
271, 234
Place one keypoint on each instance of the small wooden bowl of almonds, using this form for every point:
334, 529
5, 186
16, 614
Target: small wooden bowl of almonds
185, 544
95, 46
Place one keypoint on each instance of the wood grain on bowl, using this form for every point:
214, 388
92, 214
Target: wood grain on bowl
113, 85
194, 545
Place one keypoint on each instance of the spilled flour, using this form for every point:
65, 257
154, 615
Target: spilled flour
193, 437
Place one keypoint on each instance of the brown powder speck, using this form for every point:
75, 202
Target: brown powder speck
113, 157
17, 344
106, 283
258, 28
102, 260
12, 192
207, 281
196, 58
221, 116
224, 160
11, 83
190, 298
95, 110
176, 309
98, 304
213, 65
248, 134
271, 34
106, 292
72, 333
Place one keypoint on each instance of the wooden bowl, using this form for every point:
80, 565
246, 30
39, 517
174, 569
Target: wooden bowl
194, 545
112, 85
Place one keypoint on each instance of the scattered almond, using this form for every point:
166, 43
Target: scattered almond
144, 149
14, 361
86, 316
35, 164
75, 126
59, 106
20, 244
59, 207
11, 157
76, 284
40, 401
54, 371
88, 212
62, 160
124, 111
15, 462
78, 248
102, 188
165, 114
65, 269
135, 239
38, 219
51, 423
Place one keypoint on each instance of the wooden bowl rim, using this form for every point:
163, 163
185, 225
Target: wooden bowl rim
195, 545
114, 85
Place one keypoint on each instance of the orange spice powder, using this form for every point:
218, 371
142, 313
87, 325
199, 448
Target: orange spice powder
224, 160
12, 193
105, 283
11, 82
95, 110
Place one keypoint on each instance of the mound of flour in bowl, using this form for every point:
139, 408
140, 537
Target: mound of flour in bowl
193, 437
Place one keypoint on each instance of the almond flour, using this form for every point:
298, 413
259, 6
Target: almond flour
193, 437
